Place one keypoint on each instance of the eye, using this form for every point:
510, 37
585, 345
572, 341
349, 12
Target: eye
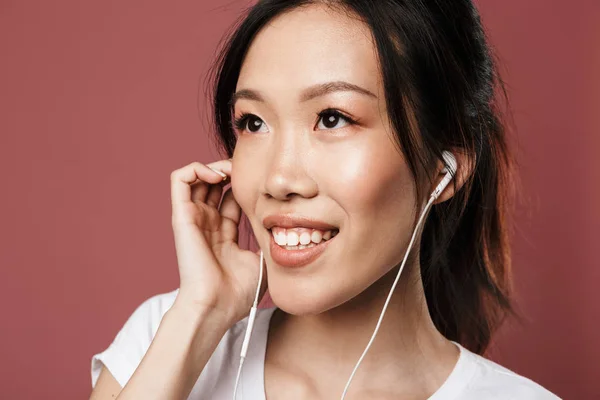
251, 123
333, 119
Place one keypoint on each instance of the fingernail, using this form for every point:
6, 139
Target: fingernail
219, 172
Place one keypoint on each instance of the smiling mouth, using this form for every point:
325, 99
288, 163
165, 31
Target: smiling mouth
300, 238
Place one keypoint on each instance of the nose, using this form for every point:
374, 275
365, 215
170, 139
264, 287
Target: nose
288, 168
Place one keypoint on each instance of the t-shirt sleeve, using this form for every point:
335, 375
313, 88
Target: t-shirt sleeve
129, 346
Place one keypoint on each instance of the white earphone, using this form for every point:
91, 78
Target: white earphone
450, 171
251, 318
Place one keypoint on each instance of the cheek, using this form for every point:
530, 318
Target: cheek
370, 179
244, 179
375, 189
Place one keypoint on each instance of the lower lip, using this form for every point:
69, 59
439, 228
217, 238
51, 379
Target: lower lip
296, 258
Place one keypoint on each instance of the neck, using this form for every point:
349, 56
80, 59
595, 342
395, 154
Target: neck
407, 344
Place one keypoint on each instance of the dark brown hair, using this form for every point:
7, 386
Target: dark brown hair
442, 90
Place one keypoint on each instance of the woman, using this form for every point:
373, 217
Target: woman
336, 115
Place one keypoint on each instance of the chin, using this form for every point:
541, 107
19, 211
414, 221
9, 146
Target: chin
303, 296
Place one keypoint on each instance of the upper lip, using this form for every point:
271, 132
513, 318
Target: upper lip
295, 221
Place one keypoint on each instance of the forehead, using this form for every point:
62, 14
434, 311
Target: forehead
311, 45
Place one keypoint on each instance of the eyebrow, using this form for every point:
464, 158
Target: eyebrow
308, 94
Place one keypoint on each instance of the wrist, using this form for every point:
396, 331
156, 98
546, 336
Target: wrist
199, 330
201, 318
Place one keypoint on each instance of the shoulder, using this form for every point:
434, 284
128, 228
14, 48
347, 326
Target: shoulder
147, 316
142, 324
133, 339
493, 381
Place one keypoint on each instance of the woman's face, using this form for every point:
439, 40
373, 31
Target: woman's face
289, 160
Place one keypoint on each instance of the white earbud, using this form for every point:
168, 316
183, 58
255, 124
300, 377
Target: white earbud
449, 170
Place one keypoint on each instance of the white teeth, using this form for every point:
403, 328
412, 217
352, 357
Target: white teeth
292, 238
316, 237
281, 238
304, 238
299, 247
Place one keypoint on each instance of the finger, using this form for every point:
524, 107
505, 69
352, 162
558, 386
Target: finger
230, 208
202, 193
214, 195
183, 178
199, 192
223, 166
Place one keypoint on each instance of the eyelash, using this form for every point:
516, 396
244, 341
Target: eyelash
241, 121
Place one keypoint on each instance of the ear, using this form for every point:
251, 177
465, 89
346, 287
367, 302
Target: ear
465, 166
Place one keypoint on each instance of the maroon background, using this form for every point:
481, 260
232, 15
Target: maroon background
98, 104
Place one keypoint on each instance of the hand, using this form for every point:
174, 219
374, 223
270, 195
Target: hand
215, 274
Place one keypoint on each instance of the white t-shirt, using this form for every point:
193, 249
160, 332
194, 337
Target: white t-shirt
473, 377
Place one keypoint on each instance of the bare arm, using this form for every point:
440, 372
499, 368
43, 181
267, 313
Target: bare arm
184, 342
107, 386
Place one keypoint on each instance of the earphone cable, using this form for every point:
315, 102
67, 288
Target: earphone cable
423, 213
251, 319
